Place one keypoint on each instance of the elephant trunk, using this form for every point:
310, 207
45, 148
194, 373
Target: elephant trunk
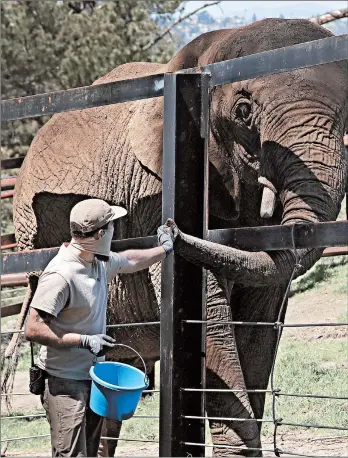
311, 180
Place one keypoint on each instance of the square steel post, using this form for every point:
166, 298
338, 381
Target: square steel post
186, 98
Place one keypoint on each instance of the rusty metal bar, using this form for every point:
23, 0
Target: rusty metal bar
336, 251
7, 194
12, 163
8, 183
15, 279
9, 246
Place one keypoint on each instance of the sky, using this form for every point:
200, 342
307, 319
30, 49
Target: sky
269, 8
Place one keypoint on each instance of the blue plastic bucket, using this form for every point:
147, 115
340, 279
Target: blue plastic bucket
116, 389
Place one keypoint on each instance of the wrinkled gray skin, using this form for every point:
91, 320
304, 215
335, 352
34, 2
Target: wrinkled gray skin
287, 128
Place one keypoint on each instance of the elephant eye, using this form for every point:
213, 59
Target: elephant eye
243, 111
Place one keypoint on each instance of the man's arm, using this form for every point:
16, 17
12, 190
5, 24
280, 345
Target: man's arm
40, 329
135, 260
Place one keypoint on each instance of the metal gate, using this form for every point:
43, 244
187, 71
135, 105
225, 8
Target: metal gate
186, 128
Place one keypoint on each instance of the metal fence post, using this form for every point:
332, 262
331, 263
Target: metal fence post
183, 284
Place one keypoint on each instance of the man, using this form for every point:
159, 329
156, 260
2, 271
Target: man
68, 318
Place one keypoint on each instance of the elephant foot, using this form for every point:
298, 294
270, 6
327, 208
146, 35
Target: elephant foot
224, 436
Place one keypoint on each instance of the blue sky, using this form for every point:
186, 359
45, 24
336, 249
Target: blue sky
269, 8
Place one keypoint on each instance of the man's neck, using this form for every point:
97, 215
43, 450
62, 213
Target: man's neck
85, 255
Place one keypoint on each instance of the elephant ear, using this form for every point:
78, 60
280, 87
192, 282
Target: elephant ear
147, 122
146, 132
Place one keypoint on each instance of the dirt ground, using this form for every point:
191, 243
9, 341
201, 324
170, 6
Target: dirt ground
316, 306
320, 306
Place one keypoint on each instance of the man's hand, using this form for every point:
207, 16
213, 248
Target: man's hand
98, 344
165, 237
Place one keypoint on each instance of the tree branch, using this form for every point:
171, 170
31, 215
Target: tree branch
174, 24
330, 16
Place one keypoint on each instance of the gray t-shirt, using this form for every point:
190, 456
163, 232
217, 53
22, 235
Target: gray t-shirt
75, 292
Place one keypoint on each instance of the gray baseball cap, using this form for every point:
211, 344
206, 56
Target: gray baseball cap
92, 214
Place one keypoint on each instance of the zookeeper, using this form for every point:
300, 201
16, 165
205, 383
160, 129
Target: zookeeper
68, 318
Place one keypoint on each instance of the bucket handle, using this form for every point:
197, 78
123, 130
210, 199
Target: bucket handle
146, 378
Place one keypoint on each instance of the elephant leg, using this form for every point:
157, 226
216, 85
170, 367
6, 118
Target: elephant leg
224, 372
110, 428
257, 344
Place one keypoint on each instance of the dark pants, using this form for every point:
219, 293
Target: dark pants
75, 429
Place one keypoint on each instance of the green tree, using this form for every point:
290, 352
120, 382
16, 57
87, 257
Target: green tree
46, 48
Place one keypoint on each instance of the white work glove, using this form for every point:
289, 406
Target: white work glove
165, 237
98, 344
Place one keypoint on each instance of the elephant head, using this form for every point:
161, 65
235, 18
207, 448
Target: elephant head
274, 139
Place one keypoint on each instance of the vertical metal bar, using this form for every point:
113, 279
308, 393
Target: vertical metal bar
182, 282
205, 133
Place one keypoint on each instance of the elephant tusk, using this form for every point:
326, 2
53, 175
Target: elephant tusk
268, 198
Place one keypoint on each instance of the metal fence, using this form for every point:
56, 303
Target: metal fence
186, 128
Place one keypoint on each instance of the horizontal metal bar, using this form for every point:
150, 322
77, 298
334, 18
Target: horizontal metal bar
315, 396
276, 392
336, 251
8, 246
259, 420
12, 163
17, 394
312, 325
338, 428
300, 325
224, 390
128, 440
8, 183
231, 447
15, 417
17, 279
82, 97
261, 323
10, 439
279, 60
36, 260
270, 238
150, 323
128, 325
31, 394
236, 323
7, 194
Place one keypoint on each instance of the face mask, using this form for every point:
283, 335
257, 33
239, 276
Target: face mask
101, 246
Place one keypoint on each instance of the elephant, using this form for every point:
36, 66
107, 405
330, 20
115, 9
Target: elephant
279, 136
